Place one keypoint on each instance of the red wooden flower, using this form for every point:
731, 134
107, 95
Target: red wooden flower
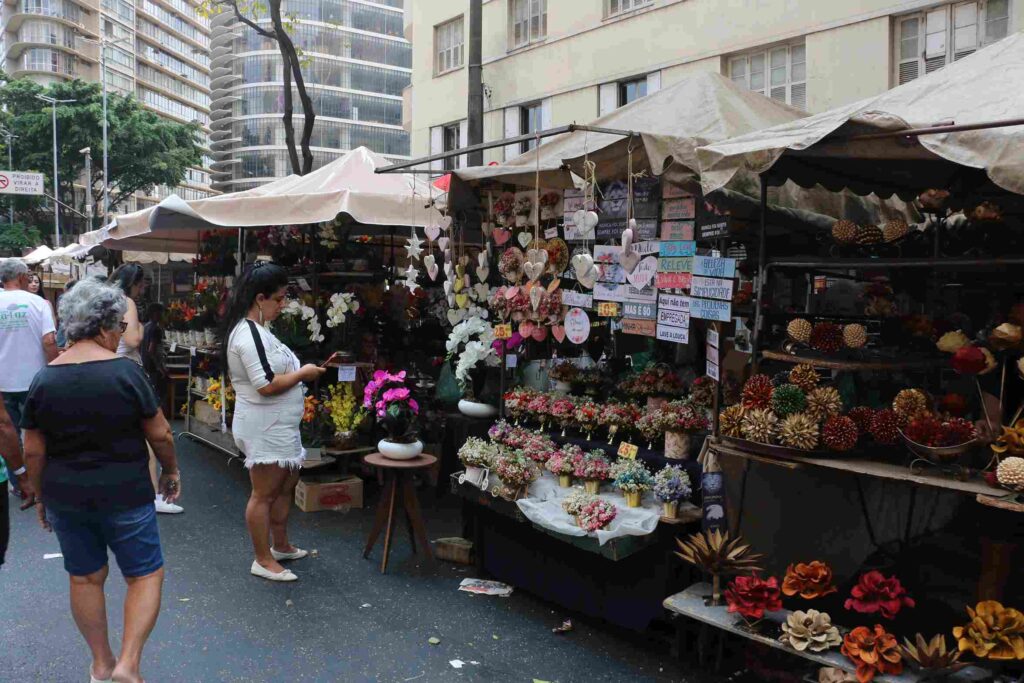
876, 593
752, 596
969, 360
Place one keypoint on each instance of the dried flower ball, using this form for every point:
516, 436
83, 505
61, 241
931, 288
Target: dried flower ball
826, 337
823, 403
895, 229
760, 425
757, 392
804, 376
868, 234
788, 399
861, 416
780, 378
1010, 473
799, 330
839, 433
855, 336
844, 231
799, 431
730, 421
884, 427
908, 403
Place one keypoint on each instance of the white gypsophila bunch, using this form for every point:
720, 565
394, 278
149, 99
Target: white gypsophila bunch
342, 303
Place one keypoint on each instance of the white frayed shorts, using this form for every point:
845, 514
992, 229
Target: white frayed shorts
269, 434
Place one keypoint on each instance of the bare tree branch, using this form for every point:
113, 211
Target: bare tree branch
286, 118
290, 60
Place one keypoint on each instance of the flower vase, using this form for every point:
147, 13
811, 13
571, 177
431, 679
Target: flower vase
633, 498
565, 480
670, 509
345, 440
592, 486
399, 451
475, 409
655, 402
677, 445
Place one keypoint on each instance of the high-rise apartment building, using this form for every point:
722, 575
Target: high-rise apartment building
159, 51
355, 61
548, 63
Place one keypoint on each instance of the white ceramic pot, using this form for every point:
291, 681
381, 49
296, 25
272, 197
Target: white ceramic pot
474, 409
399, 451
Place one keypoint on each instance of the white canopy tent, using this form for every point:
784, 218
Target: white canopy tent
37, 255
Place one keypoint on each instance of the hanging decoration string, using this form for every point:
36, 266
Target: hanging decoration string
536, 189
631, 178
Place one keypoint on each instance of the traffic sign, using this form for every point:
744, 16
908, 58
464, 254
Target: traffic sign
18, 182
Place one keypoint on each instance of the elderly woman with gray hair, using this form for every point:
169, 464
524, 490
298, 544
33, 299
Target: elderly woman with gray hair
87, 420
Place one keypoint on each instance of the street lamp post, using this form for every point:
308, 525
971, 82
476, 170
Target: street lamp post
103, 44
87, 152
53, 102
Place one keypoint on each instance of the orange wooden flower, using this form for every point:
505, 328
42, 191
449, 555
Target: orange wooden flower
994, 632
812, 580
872, 651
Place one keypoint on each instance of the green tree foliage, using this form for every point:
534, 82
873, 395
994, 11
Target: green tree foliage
144, 149
14, 239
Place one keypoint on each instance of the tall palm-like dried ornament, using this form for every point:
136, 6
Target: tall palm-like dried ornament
932, 655
716, 554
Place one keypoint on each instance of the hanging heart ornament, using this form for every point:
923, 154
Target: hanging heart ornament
432, 232
536, 295
524, 238
431, 263
446, 222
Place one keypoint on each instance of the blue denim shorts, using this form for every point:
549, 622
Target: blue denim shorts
132, 534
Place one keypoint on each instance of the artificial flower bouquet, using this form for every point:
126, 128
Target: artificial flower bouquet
672, 486
633, 479
469, 347
516, 472
593, 468
751, 596
590, 512
537, 447
476, 452
344, 410
517, 402
316, 427
587, 416
656, 380
562, 463
393, 404
617, 418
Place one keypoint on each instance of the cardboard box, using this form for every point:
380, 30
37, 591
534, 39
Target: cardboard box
329, 493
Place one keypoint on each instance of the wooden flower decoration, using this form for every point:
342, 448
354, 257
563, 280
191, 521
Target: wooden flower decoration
752, 596
875, 593
932, 655
811, 630
1004, 337
873, 651
994, 632
811, 580
716, 554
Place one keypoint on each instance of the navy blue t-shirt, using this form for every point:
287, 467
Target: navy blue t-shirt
91, 415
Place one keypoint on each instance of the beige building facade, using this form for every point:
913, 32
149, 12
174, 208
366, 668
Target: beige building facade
554, 62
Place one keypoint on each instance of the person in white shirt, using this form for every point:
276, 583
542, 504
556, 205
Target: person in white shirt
27, 336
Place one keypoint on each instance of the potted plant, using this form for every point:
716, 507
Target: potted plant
672, 485
574, 502
563, 411
345, 413
469, 347
516, 472
679, 420
657, 384
563, 373
316, 428
632, 478
396, 412
563, 464
478, 456
596, 514
593, 468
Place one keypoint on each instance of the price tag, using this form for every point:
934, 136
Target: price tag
713, 372
503, 331
303, 285
511, 360
551, 233
346, 373
628, 450
607, 309
174, 346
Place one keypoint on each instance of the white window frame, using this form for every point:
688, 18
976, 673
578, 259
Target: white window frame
766, 65
620, 90
449, 46
943, 35
615, 8
527, 22
524, 116
457, 128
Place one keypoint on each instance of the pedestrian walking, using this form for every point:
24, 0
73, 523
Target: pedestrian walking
131, 279
267, 379
88, 418
27, 340
10, 445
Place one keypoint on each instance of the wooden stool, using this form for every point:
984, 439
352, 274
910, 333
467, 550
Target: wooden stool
398, 491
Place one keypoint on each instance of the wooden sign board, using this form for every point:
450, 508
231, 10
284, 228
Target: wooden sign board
672, 281
667, 316
711, 287
680, 208
678, 264
713, 371
669, 248
713, 266
607, 309
628, 450
677, 230
713, 338
709, 309
643, 328
503, 331
640, 310
674, 302
577, 299
677, 335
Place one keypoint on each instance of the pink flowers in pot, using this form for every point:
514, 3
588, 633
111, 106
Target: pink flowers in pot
596, 515
396, 409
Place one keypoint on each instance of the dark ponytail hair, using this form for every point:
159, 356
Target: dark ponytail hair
127, 276
263, 278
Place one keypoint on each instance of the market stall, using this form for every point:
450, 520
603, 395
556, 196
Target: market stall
883, 397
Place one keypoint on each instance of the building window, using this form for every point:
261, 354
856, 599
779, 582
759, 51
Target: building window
779, 73
528, 21
450, 138
928, 41
632, 90
615, 7
530, 122
448, 46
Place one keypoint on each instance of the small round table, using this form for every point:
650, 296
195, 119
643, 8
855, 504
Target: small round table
398, 491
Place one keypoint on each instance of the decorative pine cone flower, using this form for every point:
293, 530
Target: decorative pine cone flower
839, 433
932, 655
868, 234
861, 416
895, 229
855, 336
752, 596
799, 431
799, 330
757, 392
811, 630
811, 580
760, 425
788, 399
994, 632
1010, 473
730, 421
844, 231
909, 403
873, 651
805, 377
884, 427
826, 337
823, 403
877, 593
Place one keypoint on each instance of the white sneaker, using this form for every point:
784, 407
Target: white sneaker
166, 508
298, 554
96, 680
259, 570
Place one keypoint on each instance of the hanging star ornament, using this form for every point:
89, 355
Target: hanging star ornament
410, 278
414, 247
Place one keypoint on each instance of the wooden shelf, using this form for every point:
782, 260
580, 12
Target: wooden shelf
691, 603
852, 365
806, 263
1008, 504
975, 486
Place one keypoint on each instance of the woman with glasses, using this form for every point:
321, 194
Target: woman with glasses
88, 419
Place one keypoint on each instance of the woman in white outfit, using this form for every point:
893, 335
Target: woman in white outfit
267, 379
131, 279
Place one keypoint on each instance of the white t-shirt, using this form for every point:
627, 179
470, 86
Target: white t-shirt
24, 319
